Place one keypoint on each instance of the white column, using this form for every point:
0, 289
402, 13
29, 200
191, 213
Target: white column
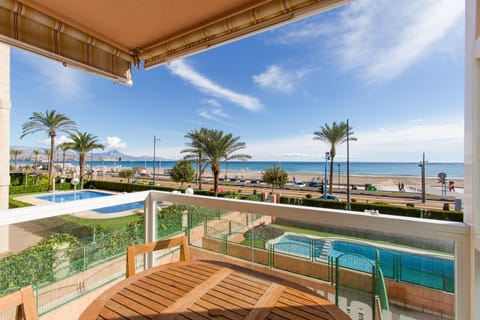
150, 225
4, 138
470, 292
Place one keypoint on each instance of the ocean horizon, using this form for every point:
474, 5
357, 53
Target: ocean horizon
402, 169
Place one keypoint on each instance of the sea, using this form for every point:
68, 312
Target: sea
402, 169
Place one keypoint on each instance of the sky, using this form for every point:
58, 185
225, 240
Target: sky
394, 69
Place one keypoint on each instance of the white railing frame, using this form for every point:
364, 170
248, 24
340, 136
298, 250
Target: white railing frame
457, 232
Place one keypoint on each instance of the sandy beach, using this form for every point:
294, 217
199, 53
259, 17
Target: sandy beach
388, 183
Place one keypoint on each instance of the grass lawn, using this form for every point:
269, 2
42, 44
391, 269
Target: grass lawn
106, 224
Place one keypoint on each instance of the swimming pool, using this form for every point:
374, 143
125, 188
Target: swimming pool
120, 207
81, 195
425, 270
71, 196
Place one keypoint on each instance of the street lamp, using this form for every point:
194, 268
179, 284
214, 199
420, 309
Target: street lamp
338, 166
75, 182
422, 165
155, 139
327, 157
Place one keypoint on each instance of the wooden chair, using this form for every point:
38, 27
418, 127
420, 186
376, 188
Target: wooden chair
24, 302
132, 251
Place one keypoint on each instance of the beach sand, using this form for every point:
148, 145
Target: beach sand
387, 183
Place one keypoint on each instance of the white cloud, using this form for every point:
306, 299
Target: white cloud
115, 143
58, 140
301, 31
183, 70
215, 112
212, 102
276, 78
380, 39
441, 140
63, 82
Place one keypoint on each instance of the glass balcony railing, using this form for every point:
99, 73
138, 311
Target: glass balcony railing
401, 267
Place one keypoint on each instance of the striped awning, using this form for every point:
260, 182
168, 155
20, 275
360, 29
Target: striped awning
29, 29
107, 37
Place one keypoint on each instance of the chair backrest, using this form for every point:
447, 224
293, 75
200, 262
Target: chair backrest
132, 251
24, 302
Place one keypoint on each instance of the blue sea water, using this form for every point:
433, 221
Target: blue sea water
403, 169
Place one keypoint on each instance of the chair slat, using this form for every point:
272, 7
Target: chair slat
23, 300
132, 251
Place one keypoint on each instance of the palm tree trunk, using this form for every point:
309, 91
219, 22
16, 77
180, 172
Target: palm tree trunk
199, 172
82, 163
63, 164
51, 176
216, 172
330, 188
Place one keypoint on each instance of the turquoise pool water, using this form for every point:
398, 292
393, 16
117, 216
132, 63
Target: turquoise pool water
424, 270
120, 208
71, 196
81, 195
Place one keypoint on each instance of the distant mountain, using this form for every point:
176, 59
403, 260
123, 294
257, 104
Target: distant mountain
110, 155
114, 155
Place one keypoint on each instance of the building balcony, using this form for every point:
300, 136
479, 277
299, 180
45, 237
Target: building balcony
405, 267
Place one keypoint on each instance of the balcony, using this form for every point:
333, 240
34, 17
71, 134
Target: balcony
240, 232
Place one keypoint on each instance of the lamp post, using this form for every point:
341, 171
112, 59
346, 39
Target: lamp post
75, 182
327, 157
91, 164
338, 166
348, 165
422, 165
155, 139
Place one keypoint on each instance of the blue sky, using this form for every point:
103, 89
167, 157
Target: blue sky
395, 69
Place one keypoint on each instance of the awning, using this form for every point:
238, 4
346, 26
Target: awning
29, 29
106, 37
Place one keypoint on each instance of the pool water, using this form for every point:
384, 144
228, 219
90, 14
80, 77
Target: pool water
81, 195
120, 207
425, 270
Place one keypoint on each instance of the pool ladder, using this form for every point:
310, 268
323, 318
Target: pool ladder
325, 249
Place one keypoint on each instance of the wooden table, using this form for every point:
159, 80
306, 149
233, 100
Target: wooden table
209, 290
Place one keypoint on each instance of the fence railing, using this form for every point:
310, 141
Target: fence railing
457, 233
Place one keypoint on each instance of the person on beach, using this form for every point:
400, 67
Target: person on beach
451, 186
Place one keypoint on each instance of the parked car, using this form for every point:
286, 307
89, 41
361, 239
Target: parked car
331, 197
313, 184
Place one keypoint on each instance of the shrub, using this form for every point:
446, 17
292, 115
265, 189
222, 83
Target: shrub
383, 208
308, 196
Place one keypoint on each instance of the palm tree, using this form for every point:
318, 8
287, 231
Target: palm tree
51, 122
216, 146
334, 135
48, 152
15, 153
36, 153
195, 151
64, 147
83, 143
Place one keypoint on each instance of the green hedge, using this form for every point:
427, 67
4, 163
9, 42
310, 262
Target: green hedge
38, 188
34, 265
125, 187
382, 208
132, 187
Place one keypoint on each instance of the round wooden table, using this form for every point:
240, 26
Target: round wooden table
209, 290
